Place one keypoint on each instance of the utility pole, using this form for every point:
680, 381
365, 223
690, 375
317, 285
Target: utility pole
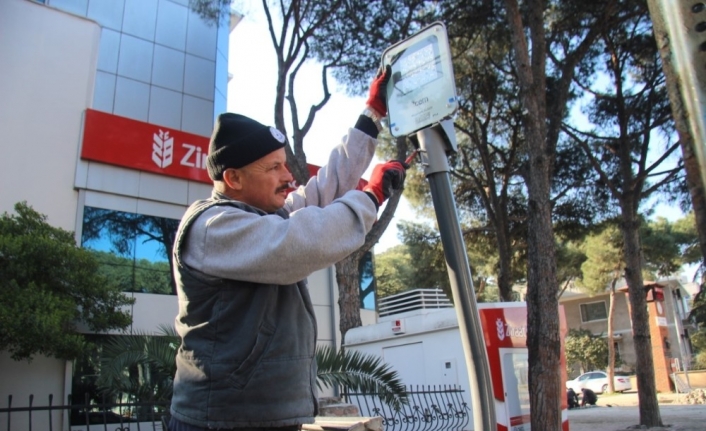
678, 26
421, 100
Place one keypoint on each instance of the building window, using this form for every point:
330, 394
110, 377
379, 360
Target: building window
133, 249
679, 307
593, 311
366, 273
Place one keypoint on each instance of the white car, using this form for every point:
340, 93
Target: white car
597, 381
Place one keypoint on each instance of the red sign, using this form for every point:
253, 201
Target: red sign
147, 147
505, 335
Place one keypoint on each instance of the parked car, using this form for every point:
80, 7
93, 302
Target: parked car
597, 381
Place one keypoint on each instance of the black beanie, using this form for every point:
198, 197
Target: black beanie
238, 141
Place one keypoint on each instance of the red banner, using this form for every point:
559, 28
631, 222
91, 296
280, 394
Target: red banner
147, 147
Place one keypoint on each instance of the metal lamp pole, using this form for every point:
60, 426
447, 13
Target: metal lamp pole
435, 143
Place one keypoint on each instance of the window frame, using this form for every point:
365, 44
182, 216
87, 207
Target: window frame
122, 204
587, 304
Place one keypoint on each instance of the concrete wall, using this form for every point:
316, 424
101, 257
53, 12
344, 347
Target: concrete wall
47, 70
41, 378
324, 295
696, 379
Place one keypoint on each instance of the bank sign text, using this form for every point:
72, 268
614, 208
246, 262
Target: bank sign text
143, 146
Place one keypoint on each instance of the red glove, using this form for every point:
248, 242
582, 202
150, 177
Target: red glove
386, 178
376, 97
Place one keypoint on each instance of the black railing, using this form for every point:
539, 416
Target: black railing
88, 416
430, 408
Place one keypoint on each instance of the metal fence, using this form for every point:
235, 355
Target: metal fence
430, 408
86, 416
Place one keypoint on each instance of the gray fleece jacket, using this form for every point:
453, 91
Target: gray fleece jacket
245, 317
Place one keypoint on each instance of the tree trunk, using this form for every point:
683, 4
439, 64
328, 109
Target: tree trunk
504, 258
543, 338
647, 394
611, 345
348, 280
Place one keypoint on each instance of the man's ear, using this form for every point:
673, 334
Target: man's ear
233, 178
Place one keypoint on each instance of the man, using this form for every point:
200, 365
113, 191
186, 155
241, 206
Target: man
588, 397
572, 399
246, 321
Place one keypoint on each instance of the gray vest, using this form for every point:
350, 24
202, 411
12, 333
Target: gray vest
247, 357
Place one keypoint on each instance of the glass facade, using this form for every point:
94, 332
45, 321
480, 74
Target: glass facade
368, 287
134, 249
158, 61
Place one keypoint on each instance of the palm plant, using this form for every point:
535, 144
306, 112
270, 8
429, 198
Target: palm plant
143, 366
359, 372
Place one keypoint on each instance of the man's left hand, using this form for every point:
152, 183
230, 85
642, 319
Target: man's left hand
376, 97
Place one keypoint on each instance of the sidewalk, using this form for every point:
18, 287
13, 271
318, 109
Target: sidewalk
618, 412
630, 399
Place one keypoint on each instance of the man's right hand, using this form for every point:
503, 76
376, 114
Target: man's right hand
386, 178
